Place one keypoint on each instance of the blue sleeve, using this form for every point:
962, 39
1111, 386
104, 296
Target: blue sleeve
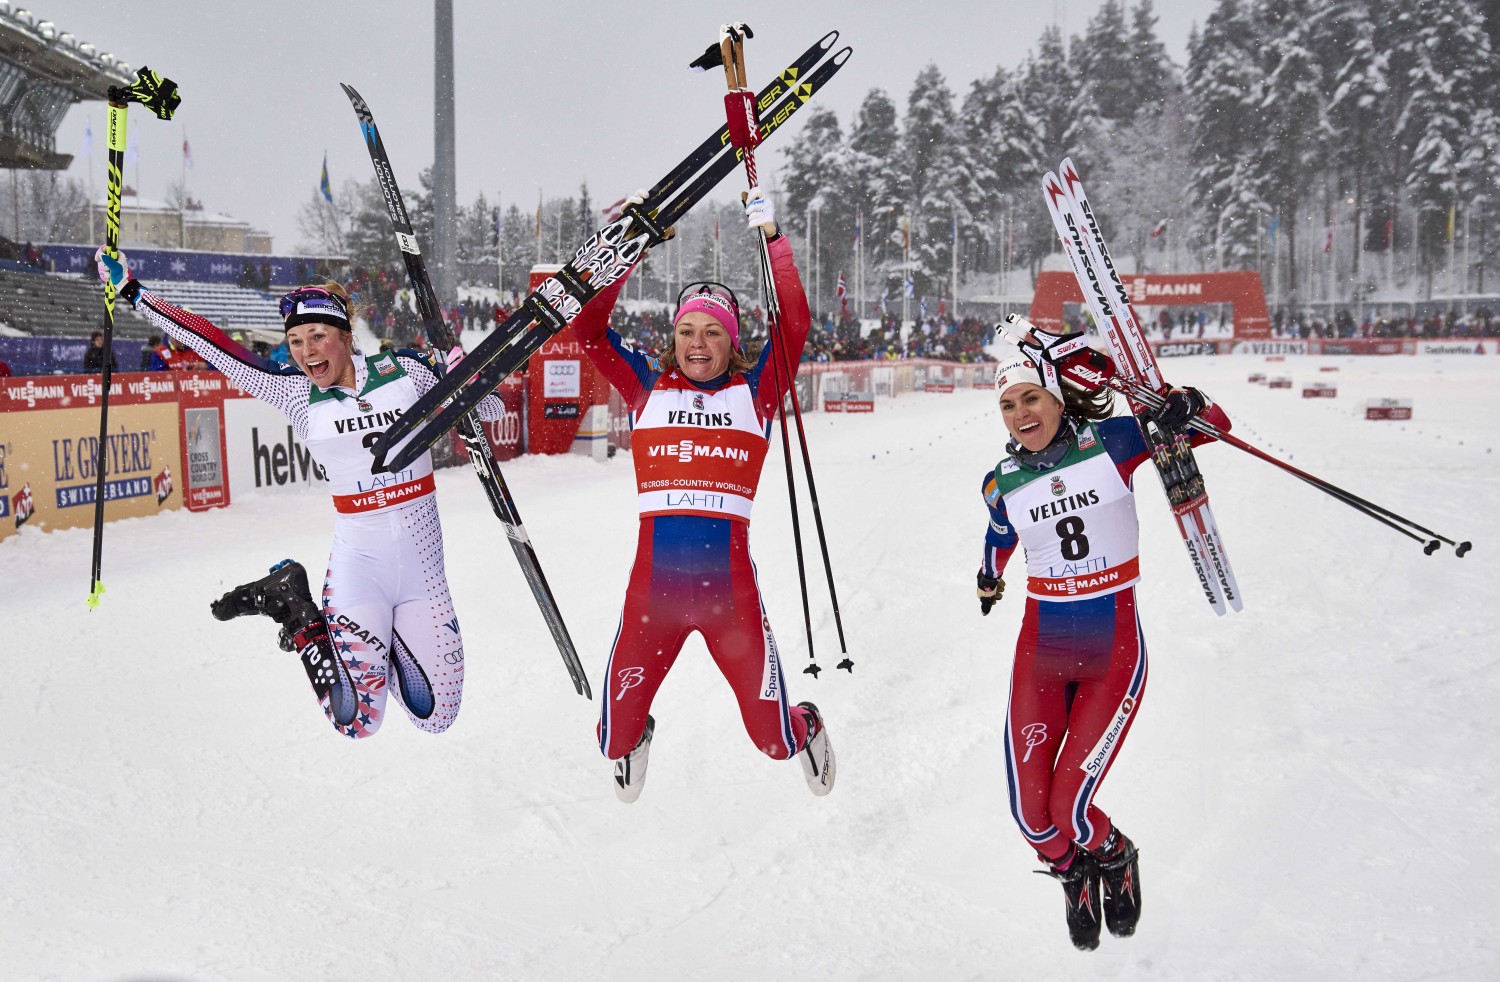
1125, 444
1000, 539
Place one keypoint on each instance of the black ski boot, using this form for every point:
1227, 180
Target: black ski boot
284, 597
1079, 875
274, 595
1120, 877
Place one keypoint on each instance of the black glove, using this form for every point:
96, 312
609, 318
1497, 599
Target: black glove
1180, 406
991, 589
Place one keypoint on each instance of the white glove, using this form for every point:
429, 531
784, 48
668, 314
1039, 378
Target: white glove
454, 357
760, 212
638, 198
116, 271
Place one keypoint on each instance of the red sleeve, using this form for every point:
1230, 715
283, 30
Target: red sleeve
796, 321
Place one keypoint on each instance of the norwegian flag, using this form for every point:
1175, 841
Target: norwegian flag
613, 211
22, 505
1328, 240
842, 291
1161, 227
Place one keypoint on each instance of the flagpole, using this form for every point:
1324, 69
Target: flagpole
499, 252
954, 289
182, 199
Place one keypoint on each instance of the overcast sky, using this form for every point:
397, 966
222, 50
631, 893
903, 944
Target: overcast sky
548, 94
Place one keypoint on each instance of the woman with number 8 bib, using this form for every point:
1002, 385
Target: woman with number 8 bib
385, 607
700, 417
1065, 493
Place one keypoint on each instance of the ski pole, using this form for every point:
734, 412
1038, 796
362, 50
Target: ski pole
743, 124
160, 96
1377, 512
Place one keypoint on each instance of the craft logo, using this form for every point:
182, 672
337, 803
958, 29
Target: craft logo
163, 485
1058, 487
1178, 349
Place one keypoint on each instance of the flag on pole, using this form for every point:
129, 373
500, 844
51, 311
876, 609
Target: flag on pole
1452, 213
942, 304
187, 151
841, 291
323, 183
1159, 228
1271, 232
1328, 242
538, 233
1389, 227
88, 140
612, 212
910, 287
922, 306
905, 237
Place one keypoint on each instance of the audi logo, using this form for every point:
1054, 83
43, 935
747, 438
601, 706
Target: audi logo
562, 368
506, 431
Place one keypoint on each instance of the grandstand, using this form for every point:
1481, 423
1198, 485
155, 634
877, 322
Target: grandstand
233, 308
40, 304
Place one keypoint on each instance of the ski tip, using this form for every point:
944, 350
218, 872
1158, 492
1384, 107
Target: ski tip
1462, 548
842, 55
828, 39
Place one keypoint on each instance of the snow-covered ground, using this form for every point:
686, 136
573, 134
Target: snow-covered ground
1312, 782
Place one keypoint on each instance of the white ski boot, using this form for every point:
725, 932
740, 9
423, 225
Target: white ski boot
817, 757
630, 770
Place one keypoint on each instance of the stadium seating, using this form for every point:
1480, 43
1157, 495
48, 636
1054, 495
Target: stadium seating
60, 306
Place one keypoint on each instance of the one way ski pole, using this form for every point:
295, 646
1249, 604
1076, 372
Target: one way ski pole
159, 95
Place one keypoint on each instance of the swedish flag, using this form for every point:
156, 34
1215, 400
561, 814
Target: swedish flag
323, 183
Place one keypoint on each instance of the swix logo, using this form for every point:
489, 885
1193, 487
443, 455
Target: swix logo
1036, 735
629, 678
1087, 377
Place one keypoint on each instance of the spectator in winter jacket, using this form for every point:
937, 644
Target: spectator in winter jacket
94, 357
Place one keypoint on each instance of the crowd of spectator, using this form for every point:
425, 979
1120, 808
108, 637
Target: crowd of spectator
1479, 323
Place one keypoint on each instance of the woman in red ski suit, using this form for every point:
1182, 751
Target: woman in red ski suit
1065, 492
700, 416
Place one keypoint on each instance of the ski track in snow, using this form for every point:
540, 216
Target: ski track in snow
1311, 782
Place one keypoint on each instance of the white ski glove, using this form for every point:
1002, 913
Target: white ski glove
117, 271
760, 211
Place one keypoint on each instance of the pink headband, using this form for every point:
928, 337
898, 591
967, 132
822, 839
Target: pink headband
716, 307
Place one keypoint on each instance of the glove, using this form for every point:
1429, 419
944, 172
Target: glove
117, 271
1180, 406
454, 357
760, 212
991, 589
638, 198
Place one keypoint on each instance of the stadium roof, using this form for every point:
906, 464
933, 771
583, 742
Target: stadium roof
44, 70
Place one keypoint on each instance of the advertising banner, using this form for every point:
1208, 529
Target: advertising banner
49, 443
200, 396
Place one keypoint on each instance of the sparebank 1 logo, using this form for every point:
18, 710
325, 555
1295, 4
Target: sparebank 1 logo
127, 467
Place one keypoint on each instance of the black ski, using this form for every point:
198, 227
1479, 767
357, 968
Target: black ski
470, 430
603, 259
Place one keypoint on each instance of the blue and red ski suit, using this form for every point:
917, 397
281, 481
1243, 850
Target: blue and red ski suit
698, 450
